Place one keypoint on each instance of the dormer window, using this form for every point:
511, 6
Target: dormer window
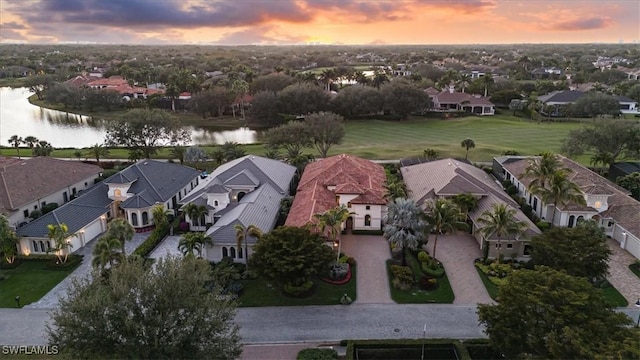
597, 204
117, 192
215, 203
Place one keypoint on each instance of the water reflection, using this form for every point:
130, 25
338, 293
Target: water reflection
63, 129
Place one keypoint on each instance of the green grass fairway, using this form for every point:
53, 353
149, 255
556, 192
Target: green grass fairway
379, 139
30, 281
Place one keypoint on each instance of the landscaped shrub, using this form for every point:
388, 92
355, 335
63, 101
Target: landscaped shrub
184, 226
527, 210
71, 263
423, 257
49, 207
152, 241
543, 225
506, 184
433, 268
317, 354
512, 189
338, 271
402, 277
428, 283
300, 290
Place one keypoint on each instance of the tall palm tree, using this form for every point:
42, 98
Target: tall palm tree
160, 215
486, 81
500, 221
333, 219
443, 216
121, 230
405, 226
106, 253
242, 234
464, 81
193, 242
60, 235
466, 202
98, 151
196, 213
560, 191
542, 169
172, 91
327, 76
431, 154
601, 158
467, 144
15, 141
379, 78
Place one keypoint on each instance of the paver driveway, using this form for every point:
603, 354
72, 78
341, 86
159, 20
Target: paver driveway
371, 254
457, 252
626, 282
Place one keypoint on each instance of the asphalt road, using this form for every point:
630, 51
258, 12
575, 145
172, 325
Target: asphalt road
305, 323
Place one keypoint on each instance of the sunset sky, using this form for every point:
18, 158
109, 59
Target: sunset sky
239, 22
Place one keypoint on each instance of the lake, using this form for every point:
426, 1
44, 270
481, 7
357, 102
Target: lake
61, 129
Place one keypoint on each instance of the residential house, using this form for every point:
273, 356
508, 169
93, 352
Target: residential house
246, 191
446, 178
27, 185
341, 180
451, 100
131, 193
606, 203
623, 169
546, 73
119, 84
560, 98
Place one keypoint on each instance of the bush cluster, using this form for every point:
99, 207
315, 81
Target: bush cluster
152, 241
298, 290
317, 354
402, 277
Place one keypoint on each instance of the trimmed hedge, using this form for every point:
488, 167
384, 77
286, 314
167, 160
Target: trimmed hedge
367, 232
159, 233
390, 345
317, 354
72, 262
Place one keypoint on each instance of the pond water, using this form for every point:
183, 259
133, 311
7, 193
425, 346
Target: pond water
61, 129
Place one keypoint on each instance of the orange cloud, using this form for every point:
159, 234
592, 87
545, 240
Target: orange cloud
592, 23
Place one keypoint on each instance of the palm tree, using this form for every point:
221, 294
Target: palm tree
395, 188
193, 242
42, 148
467, 144
196, 213
8, 241
431, 154
500, 221
327, 76
542, 169
105, 253
601, 158
242, 234
560, 191
60, 235
466, 202
486, 81
333, 219
15, 141
78, 154
379, 78
443, 215
30, 141
121, 230
98, 151
172, 92
464, 80
160, 215
405, 226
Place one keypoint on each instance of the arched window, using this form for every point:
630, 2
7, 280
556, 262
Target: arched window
42, 249
34, 244
572, 221
233, 252
203, 220
134, 219
145, 218
580, 219
117, 192
367, 220
241, 194
239, 253
215, 203
225, 252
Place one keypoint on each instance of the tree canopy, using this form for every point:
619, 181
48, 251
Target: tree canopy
293, 136
149, 313
579, 251
145, 130
548, 314
291, 255
325, 129
614, 138
403, 98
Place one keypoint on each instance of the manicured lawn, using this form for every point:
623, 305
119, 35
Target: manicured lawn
379, 139
443, 294
492, 288
613, 297
30, 281
635, 268
262, 292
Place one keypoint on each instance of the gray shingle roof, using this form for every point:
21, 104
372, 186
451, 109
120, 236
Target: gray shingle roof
153, 181
565, 96
77, 213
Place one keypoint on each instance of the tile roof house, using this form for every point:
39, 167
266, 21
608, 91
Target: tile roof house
606, 203
450, 100
341, 180
131, 193
246, 191
27, 185
448, 177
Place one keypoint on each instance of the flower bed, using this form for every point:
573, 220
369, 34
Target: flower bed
346, 279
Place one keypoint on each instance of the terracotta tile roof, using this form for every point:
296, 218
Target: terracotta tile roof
347, 173
26, 180
110, 81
